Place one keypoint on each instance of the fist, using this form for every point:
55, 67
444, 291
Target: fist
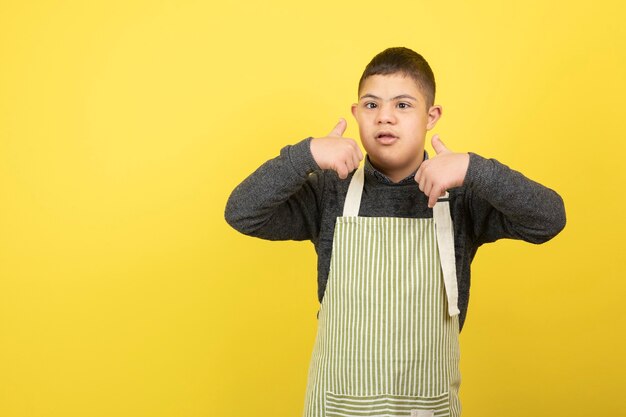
335, 152
445, 170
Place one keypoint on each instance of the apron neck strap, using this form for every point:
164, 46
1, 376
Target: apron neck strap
353, 197
447, 257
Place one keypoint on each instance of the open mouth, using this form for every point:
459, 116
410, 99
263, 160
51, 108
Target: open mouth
386, 137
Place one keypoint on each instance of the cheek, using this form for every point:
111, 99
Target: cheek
418, 127
362, 127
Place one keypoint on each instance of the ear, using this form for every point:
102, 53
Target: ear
354, 108
434, 113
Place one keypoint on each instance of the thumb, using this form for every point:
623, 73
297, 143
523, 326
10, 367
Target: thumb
339, 128
438, 145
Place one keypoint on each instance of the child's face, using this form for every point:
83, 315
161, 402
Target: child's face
393, 120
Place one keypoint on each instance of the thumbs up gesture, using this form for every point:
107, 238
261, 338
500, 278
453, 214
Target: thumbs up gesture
445, 170
335, 152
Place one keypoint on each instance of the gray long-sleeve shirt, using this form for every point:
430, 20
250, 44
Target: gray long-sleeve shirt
291, 198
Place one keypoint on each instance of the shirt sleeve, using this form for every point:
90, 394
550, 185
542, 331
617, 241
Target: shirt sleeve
503, 203
281, 199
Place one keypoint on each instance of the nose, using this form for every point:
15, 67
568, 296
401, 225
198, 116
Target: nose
385, 114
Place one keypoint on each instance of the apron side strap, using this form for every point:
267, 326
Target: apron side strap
353, 197
445, 243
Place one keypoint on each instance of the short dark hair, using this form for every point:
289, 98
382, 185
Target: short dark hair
400, 60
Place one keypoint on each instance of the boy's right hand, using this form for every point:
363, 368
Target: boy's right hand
335, 152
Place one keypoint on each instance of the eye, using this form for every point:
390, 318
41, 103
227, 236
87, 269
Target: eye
404, 105
370, 105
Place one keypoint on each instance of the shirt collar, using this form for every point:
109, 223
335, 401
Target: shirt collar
369, 169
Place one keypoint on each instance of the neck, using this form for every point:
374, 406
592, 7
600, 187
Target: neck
397, 174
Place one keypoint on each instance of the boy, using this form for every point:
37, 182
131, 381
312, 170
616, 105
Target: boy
394, 240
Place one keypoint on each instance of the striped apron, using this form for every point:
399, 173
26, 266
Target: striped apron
387, 341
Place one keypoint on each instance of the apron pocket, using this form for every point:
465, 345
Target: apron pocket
340, 405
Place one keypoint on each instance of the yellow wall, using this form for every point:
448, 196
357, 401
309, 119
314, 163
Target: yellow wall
124, 125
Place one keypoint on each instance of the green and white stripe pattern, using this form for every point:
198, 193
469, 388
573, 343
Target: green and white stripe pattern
386, 345
396, 405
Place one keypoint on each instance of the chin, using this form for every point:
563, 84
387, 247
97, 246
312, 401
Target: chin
384, 164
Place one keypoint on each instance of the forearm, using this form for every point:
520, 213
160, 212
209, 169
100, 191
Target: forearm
509, 205
278, 200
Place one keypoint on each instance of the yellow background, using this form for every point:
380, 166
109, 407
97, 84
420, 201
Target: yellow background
124, 125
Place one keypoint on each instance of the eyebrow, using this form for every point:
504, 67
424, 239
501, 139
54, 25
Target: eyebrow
395, 98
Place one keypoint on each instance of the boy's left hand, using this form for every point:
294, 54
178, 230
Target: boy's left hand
445, 170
